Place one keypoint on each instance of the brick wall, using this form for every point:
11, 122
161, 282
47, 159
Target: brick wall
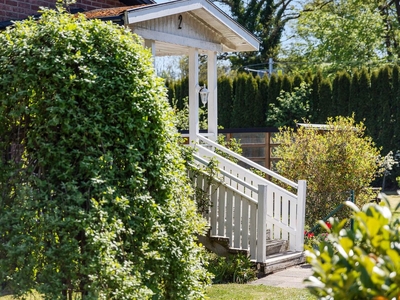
20, 9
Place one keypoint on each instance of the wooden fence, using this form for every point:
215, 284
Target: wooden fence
256, 143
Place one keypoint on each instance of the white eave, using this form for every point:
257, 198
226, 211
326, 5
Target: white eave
206, 27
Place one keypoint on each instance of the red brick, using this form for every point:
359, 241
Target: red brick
106, 3
27, 6
12, 16
20, 10
11, 2
17, 9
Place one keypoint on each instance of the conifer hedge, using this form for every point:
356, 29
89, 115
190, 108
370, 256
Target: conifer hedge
372, 95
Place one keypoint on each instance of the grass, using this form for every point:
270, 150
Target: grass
393, 198
34, 296
256, 292
237, 291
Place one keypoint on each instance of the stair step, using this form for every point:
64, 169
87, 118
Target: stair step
282, 261
224, 242
220, 240
276, 246
235, 251
216, 244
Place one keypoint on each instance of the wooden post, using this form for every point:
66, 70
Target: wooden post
212, 97
301, 214
193, 96
262, 224
267, 150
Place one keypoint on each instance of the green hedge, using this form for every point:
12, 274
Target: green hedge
373, 95
94, 194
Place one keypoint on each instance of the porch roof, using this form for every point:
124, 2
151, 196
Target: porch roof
179, 25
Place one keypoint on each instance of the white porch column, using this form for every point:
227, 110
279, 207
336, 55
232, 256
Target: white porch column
151, 44
193, 95
212, 80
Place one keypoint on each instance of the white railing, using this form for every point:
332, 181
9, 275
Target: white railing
244, 205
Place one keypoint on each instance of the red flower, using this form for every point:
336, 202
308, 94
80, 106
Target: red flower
329, 225
310, 234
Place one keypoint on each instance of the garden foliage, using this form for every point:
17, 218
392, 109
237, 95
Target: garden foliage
333, 161
234, 268
290, 107
94, 195
371, 94
363, 263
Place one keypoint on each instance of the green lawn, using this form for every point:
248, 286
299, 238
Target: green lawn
393, 199
239, 292
256, 292
32, 297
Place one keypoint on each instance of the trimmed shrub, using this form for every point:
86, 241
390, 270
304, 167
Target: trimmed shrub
94, 194
225, 90
333, 161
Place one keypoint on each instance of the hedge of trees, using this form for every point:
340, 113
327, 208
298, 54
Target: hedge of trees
372, 95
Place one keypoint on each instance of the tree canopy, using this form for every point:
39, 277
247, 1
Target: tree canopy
265, 19
345, 34
94, 194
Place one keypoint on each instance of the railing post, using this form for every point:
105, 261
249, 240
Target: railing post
262, 224
301, 214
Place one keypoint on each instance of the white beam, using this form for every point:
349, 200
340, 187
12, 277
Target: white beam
193, 95
160, 10
177, 40
212, 80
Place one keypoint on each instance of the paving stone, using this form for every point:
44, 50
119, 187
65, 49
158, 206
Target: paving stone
292, 277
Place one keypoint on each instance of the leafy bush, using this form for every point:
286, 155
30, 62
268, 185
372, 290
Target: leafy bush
290, 107
235, 268
363, 263
182, 115
94, 196
333, 161
313, 238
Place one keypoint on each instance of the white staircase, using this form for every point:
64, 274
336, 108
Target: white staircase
245, 206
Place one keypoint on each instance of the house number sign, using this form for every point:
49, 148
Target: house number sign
180, 18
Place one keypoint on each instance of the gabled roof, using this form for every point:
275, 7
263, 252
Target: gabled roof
102, 13
208, 24
135, 2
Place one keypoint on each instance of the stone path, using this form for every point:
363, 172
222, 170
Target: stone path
292, 277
